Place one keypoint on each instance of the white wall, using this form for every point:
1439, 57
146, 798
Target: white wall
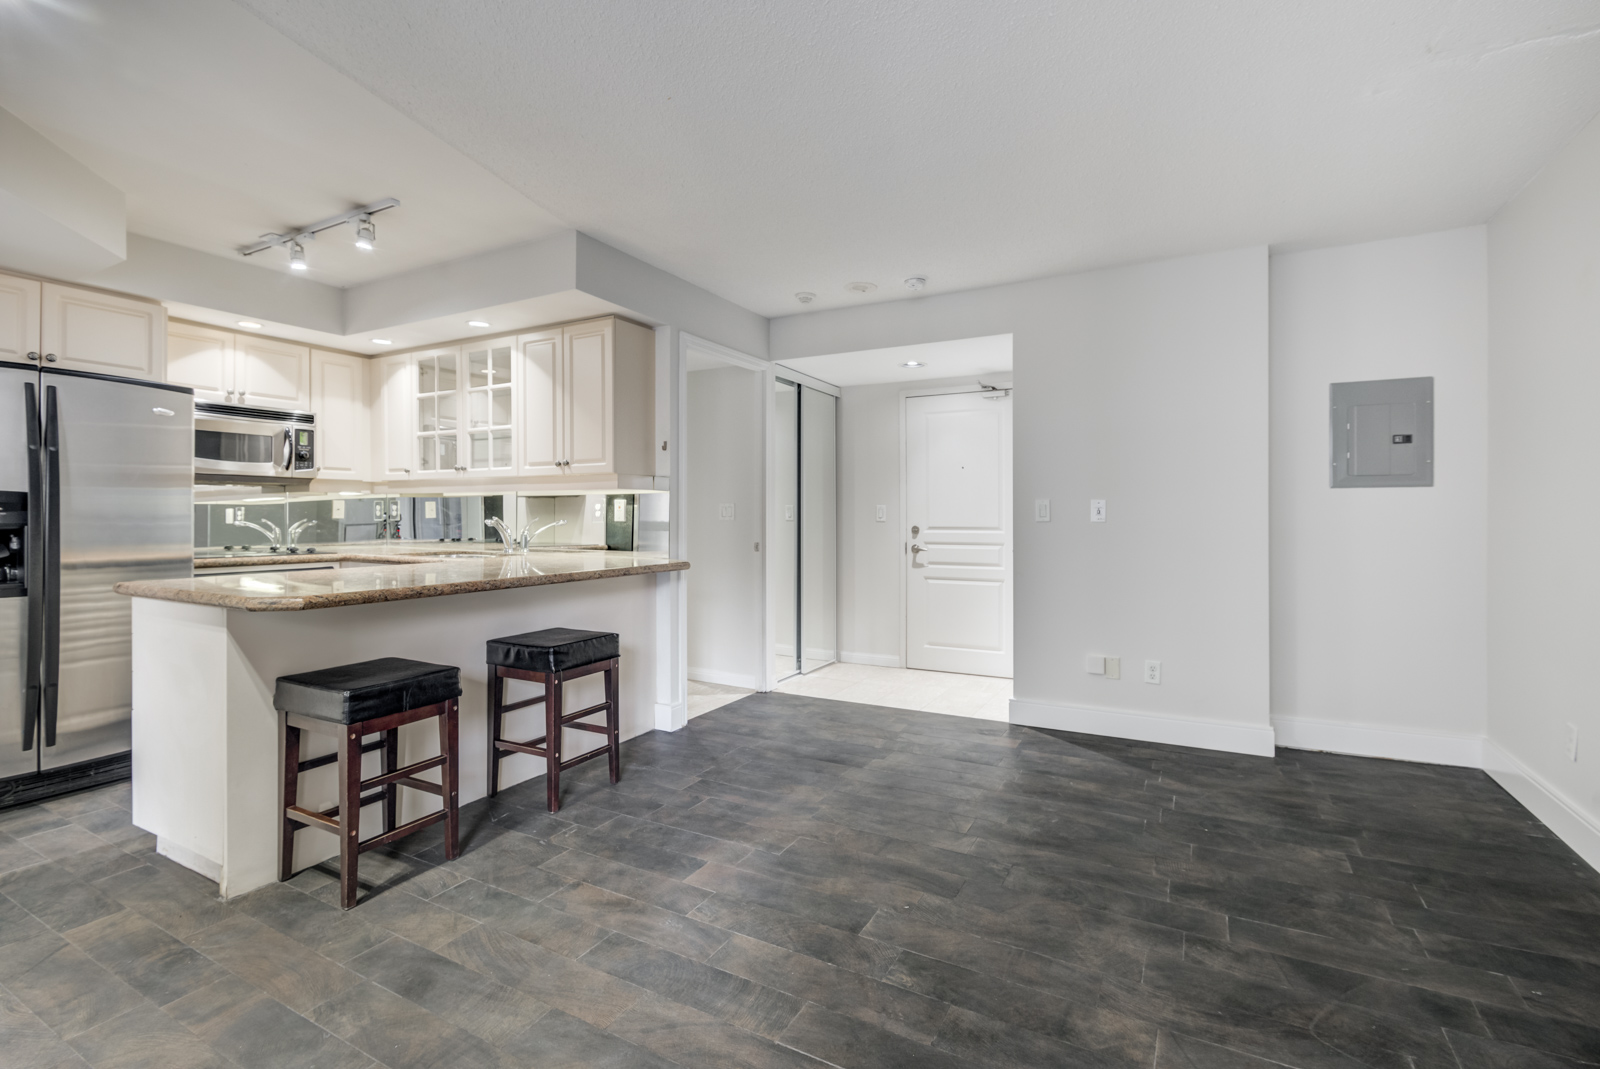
872, 554
1147, 386
725, 459
1544, 493
1378, 595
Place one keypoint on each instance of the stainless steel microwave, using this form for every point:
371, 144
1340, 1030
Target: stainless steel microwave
233, 442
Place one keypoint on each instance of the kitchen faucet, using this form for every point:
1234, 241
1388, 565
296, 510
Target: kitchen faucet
504, 531
296, 528
546, 527
270, 530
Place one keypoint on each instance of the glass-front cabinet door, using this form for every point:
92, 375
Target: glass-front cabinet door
438, 407
488, 403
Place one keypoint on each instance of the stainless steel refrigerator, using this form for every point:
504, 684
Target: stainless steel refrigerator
96, 484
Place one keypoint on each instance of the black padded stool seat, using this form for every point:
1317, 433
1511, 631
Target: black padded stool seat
353, 702
352, 693
553, 657
554, 649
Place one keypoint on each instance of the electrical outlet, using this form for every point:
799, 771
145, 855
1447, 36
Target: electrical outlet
1041, 510
1097, 511
1113, 667
1095, 665
883, 513
1572, 742
1152, 671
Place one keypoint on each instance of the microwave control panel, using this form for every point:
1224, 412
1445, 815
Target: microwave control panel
304, 451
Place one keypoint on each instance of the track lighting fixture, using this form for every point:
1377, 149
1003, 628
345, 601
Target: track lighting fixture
294, 240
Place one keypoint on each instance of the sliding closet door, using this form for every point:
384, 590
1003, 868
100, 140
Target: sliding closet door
819, 529
784, 536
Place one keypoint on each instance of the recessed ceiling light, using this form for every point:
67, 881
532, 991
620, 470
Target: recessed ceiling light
249, 324
912, 363
861, 287
805, 296
476, 323
916, 282
382, 341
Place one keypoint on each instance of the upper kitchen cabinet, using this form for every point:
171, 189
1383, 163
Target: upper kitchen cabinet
339, 398
588, 399
86, 330
19, 318
448, 412
276, 374
393, 403
239, 369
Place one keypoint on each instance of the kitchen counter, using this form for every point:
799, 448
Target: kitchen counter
389, 577
207, 651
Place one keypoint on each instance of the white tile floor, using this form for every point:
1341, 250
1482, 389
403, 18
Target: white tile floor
982, 697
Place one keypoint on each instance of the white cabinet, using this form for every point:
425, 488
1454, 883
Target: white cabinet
201, 358
339, 398
393, 401
271, 373
239, 369
64, 326
102, 332
588, 399
19, 318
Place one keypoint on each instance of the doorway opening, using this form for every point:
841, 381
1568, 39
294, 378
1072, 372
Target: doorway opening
925, 527
805, 534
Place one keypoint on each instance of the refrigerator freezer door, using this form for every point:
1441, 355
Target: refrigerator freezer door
126, 474
14, 760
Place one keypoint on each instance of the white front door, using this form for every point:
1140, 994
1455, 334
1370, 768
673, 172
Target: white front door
958, 515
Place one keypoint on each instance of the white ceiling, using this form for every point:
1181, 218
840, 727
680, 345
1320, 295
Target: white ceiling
961, 358
763, 149
219, 129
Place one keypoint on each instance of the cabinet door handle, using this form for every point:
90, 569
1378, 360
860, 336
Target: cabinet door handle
50, 357
33, 356
230, 395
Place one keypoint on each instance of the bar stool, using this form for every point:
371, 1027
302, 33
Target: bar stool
552, 657
354, 701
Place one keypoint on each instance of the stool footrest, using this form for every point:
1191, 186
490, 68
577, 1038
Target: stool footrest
531, 747
401, 774
599, 751
403, 830
598, 729
535, 700
329, 758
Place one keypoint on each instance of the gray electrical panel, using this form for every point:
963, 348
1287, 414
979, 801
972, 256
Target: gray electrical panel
1381, 433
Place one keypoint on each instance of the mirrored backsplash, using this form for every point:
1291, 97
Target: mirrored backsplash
234, 519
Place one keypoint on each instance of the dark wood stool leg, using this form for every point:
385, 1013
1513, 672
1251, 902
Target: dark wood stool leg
497, 688
349, 814
613, 724
449, 737
291, 796
391, 793
552, 739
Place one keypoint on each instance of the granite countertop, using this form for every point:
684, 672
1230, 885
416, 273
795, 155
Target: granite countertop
389, 577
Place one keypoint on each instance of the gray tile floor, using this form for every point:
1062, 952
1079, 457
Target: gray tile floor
793, 880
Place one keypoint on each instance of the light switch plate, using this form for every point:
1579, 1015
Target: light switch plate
725, 512
1097, 510
338, 510
1041, 510
883, 513
1094, 664
1113, 667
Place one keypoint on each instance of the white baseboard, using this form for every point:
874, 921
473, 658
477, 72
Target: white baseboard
1253, 739
725, 679
1372, 740
879, 660
670, 716
211, 870
1560, 814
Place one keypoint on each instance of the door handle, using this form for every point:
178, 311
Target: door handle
36, 565
288, 450
915, 549
52, 563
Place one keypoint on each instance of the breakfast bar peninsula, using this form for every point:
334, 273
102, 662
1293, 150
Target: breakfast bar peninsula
207, 651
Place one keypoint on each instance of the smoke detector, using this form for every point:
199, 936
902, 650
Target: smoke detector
805, 296
861, 287
916, 282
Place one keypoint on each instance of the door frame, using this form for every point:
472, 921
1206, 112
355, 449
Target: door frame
1005, 386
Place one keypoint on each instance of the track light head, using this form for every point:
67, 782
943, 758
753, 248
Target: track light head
366, 233
297, 256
